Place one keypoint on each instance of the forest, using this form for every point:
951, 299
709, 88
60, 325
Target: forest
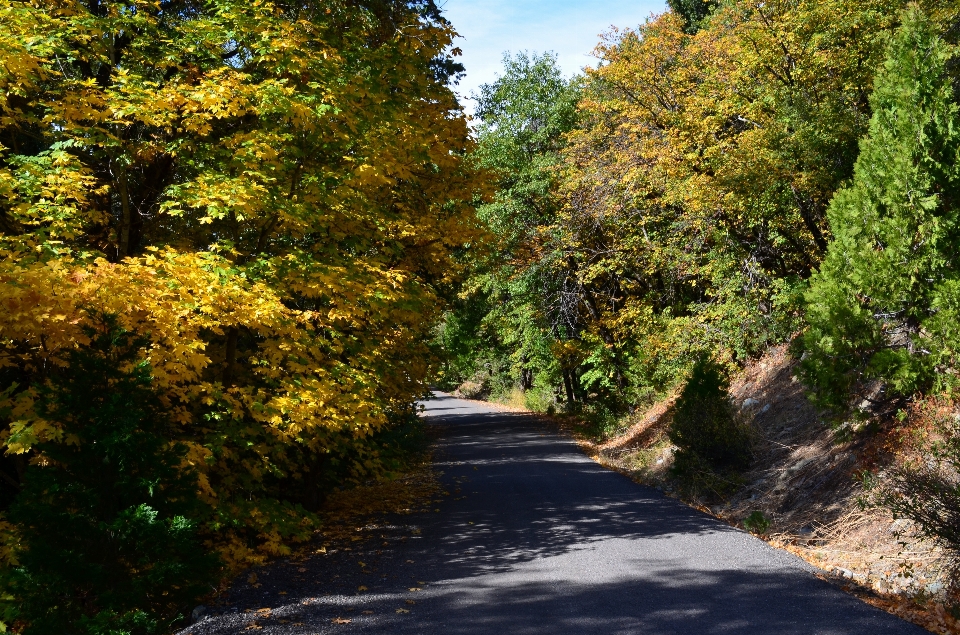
240, 239
729, 179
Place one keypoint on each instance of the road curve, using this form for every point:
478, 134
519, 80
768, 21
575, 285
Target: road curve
540, 539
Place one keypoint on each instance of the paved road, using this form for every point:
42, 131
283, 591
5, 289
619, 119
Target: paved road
540, 539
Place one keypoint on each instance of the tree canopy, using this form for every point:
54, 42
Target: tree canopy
267, 197
688, 201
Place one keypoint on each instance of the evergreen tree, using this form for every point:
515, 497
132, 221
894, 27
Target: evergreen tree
692, 11
881, 305
705, 428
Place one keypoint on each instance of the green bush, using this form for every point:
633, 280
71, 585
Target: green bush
108, 517
756, 523
705, 428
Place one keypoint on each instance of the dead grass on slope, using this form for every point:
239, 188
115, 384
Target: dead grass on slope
807, 484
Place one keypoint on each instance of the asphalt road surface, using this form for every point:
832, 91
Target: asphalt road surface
537, 538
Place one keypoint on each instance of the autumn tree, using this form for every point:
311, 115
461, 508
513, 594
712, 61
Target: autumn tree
268, 195
695, 191
688, 206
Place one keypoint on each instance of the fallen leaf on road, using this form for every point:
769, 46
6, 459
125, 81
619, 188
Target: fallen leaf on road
302, 569
340, 620
252, 578
411, 602
409, 561
402, 611
282, 593
413, 588
361, 588
362, 564
419, 582
368, 612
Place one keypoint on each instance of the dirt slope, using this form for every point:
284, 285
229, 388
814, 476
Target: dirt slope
806, 483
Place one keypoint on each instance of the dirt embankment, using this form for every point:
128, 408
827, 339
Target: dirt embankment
806, 482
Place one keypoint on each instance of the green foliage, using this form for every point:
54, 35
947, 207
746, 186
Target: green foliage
502, 330
705, 428
884, 303
108, 516
756, 523
693, 12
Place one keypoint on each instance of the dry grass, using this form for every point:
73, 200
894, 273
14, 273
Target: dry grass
807, 484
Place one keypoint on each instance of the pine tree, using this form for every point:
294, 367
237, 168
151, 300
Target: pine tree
692, 11
705, 428
879, 307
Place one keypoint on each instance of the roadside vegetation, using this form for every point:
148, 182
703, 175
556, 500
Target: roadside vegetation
226, 231
736, 183
238, 240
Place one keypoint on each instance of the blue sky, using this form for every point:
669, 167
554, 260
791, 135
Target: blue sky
566, 27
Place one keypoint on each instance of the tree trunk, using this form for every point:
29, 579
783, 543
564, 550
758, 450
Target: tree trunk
568, 386
230, 357
126, 215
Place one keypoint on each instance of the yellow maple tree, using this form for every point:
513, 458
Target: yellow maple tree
271, 193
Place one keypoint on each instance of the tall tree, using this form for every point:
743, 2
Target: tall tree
884, 303
523, 285
271, 193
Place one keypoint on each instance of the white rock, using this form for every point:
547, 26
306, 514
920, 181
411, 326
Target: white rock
749, 403
933, 588
899, 525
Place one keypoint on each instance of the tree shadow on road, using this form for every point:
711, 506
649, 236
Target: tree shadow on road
534, 537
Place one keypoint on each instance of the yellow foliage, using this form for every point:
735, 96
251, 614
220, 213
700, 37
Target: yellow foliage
271, 199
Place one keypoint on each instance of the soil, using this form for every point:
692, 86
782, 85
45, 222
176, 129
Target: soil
807, 483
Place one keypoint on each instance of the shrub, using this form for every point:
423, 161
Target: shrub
926, 488
107, 516
756, 523
705, 428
